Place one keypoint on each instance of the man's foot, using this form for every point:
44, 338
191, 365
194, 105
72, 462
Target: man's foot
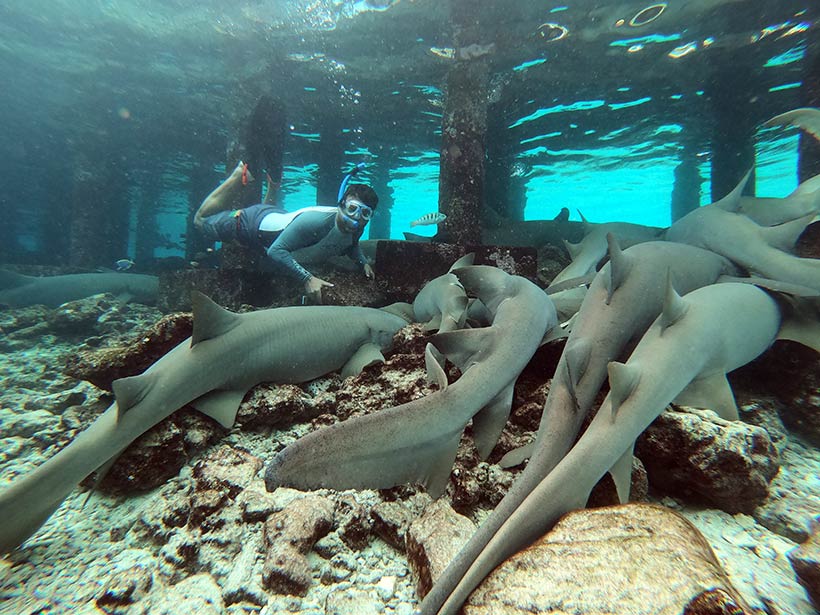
241, 174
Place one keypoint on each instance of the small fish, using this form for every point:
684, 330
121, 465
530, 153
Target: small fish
124, 264
431, 218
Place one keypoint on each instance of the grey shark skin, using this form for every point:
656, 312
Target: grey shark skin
18, 290
763, 250
417, 441
621, 303
772, 211
593, 247
226, 356
686, 353
442, 302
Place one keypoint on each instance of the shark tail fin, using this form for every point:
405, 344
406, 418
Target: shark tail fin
12, 279
623, 379
210, 320
674, 306
807, 118
784, 236
731, 202
619, 266
487, 283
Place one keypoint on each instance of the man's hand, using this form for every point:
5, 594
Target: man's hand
368, 271
313, 288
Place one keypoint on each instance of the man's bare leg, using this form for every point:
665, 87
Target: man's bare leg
223, 196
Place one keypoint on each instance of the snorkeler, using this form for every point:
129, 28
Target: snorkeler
311, 234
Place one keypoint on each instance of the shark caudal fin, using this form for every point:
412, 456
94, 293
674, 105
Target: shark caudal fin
807, 118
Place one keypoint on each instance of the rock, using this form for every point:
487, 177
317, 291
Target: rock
352, 600
433, 540
161, 452
102, 366
198, 594
638, 559
805, 561
276, 406
130, 583
289, 535
354, 521
700, 457
244, 582
390, 522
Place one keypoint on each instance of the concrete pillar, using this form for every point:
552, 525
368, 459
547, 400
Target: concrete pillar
733, 147
330, 158
464, 130
150, 194
686, 189
380, 224
809, 148
99, 228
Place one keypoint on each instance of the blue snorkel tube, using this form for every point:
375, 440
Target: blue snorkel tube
343, 187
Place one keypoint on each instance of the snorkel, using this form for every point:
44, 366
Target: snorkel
340, 197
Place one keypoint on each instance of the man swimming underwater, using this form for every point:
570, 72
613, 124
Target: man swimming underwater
311, 234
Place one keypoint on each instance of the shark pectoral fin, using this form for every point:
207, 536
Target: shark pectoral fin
557, 332
517, 456
124, 298
441, 464
210, 320
433, 361
477, 314
621, 474
462, 346
367, 354
221, 406
434, 324
711, 392
488, 423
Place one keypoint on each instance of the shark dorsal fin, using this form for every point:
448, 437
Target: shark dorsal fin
462, 346
577, 355
130, 391
731, 202
210, 320
674, 306
574, 249
619, 266
435, 373
464, 261
622, 381
784, 236
584, 221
